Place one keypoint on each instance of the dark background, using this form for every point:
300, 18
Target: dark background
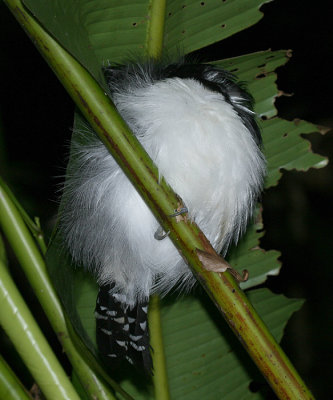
36, 117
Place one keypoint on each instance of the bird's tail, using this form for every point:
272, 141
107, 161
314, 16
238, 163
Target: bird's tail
122, 332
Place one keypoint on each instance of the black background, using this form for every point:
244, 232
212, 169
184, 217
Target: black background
36, 117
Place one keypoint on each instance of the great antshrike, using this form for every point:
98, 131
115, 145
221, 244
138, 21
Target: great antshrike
198, 126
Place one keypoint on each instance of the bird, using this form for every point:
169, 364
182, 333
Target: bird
196, 122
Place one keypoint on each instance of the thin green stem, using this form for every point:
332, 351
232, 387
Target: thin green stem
154, 47
34, 227
155, 28
11, 387
39, 236
29, 341
186, 236
3, 256
160, 377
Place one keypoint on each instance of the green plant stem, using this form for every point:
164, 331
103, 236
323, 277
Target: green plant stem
154, 46
3, 256
160, 377
28, 255
34, 227
11, 387
34, 267
155, 29
186, 236
31, 344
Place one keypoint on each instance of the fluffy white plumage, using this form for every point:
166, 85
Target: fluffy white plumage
204, 150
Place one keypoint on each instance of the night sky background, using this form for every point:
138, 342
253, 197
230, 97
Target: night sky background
36, 116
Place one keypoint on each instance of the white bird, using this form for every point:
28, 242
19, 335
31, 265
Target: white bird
198, 127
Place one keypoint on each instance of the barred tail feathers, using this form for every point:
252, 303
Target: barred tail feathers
122, 332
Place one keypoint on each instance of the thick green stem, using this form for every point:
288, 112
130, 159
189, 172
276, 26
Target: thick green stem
30, 342
34, 267
29, 255
10, 386
186, 236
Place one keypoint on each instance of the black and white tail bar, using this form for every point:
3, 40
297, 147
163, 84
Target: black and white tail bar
122, 331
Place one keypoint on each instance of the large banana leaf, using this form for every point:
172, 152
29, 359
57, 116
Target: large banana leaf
99, 31
202, 360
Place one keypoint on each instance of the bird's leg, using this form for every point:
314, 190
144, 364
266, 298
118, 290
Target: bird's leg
179, 213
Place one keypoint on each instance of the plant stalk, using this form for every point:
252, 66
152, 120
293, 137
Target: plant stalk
160, 377
155, 30
34, 267
29, 341
11, 387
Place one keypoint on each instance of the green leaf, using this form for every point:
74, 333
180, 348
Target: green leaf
248, 255
204, 359
283, 146
64, 20
100, 31
194, 24
257, 71
285, 149
200, 353
203, 356
76, 289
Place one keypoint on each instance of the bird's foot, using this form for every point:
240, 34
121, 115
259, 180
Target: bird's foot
160, 234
